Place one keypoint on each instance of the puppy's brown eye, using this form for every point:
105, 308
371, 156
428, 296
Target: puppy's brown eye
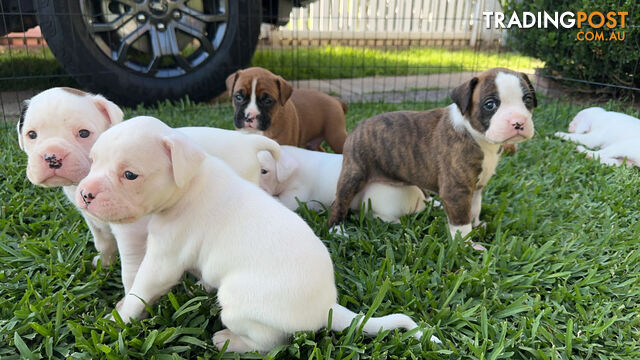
490, 105
238, 97
32, 134
527, 99
84, 133
267, 100
130, 175
263, 171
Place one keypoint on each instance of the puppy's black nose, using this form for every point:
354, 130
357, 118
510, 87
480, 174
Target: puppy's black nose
54, 162
87, 197
518, 126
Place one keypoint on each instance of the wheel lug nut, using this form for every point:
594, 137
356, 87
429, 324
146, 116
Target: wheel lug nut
176, 14
141, 18
160, 26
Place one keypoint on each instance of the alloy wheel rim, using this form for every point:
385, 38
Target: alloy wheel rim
157, 38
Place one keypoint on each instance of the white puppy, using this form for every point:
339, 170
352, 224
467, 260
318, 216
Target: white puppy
59, 127
56, 130
237, 149
624, 152
273, 275
312, 178
616, 134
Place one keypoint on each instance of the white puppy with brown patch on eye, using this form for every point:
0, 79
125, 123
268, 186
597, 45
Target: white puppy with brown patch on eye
616, 134
57, 130
273, 275
312, 177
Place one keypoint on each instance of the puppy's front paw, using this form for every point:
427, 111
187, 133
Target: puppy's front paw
104, 260
436, 203
119, 304
479, 224
587, 153
110, 316
236, 344
434, 339
338, 230
126, 318
203, 285
221, 337
476, 246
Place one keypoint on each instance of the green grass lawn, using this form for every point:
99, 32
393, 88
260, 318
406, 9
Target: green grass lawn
352, 62
38, 69
31, 69
560, 278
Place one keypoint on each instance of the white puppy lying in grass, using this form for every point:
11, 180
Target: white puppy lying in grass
617, 135
273, 275
57, 130
312, 178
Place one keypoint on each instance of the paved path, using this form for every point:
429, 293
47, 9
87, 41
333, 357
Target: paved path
389, 88
396, 89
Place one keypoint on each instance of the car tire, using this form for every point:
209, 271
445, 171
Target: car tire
69, 38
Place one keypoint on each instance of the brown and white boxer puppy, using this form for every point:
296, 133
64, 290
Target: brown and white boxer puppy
266, 103
452, 151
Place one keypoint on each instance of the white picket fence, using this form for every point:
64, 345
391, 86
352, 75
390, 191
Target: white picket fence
390, 20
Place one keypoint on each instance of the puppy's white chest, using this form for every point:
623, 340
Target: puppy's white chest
489, 163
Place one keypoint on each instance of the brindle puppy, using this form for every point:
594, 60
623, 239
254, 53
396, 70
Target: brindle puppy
452, 151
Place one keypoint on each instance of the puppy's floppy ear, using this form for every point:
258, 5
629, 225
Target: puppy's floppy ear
285, 167
284, 88
111, 111
231, 81
20, 124
186, 158
462, 95
264, 143
531, 88
266, 160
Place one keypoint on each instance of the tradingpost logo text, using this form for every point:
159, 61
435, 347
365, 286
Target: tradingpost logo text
598, 26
